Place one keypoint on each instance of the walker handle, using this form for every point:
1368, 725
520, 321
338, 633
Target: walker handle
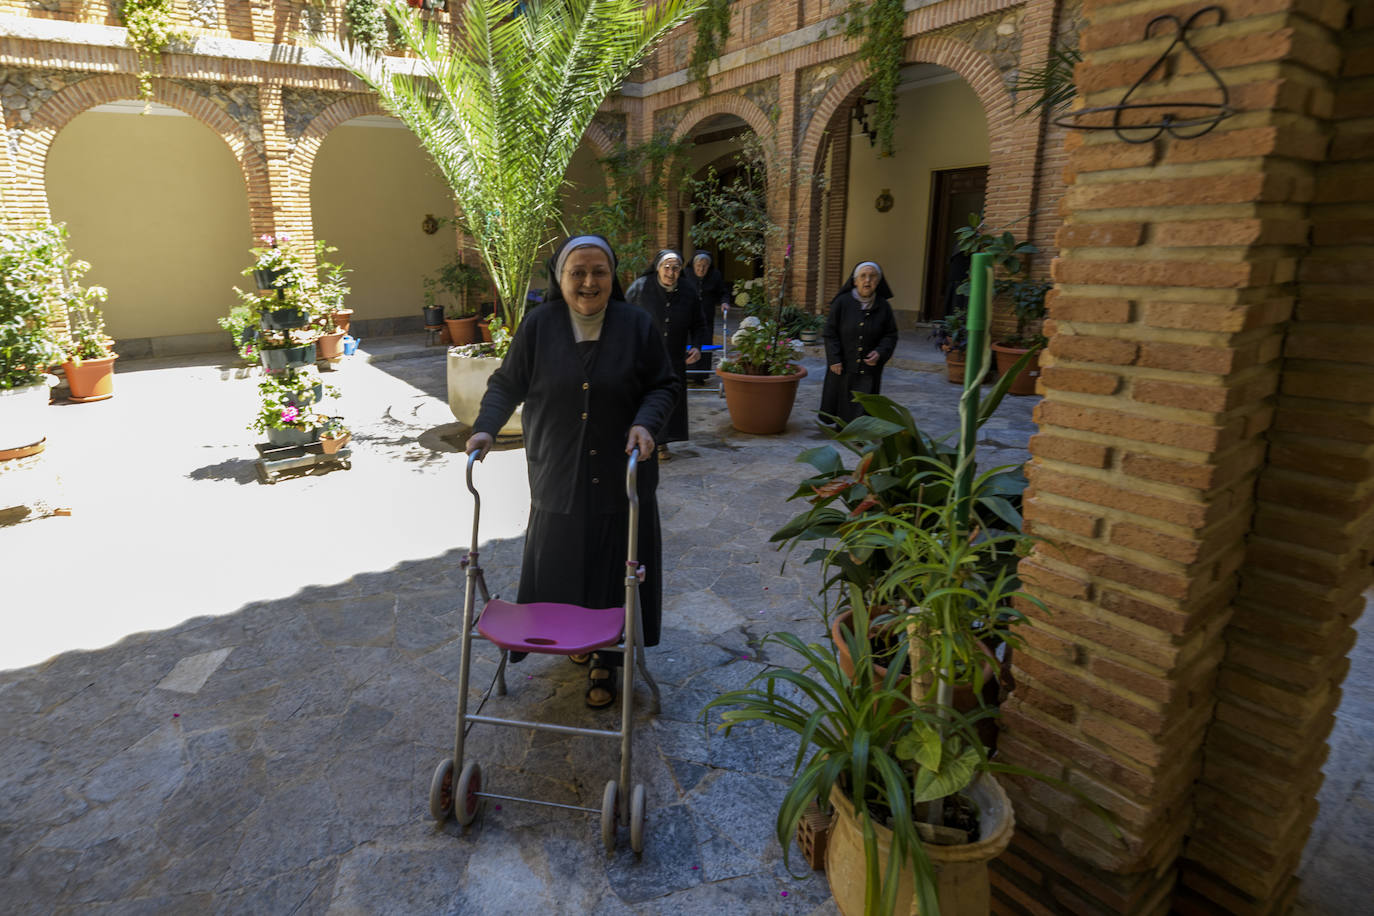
476, 497
631, 477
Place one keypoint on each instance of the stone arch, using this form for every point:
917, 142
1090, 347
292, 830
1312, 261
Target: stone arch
758, 122
77, 98
301, 163
1005, 135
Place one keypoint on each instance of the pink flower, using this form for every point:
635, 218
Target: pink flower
289, 414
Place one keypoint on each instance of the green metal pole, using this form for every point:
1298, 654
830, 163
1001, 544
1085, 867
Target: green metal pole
980, 283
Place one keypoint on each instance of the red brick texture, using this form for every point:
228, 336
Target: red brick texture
1203, 476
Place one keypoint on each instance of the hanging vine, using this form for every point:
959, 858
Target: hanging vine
367, 25
149, 23
713, 31
880, 25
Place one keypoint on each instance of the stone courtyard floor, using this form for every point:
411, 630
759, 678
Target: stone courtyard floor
220, 696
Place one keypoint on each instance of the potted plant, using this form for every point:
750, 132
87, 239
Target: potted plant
288, 407
90, 356
334, 435
760, 377
33, 265
242, 325
469, 368
1028, 297
951, 337
1028, 303
331, 279
454, 288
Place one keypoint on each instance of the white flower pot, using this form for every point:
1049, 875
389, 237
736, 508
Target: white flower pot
23, 416
467, 382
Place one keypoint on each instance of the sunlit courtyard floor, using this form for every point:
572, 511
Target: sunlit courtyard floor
221, 696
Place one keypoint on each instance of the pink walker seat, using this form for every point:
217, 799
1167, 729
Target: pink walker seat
553, 629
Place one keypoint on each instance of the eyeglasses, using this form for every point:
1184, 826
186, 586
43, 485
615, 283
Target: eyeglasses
672, 268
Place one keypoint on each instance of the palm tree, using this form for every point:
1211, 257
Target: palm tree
501, 103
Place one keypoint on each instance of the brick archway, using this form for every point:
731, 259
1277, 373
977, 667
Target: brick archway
31, 199
301, 165
762, 126
1009, 142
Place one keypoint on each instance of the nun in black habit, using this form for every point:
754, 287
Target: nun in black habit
860, 336
597, 384
671, 300
712, 293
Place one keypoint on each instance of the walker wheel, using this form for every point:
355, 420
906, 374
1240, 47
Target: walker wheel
609, 800
637, 805
466, 800
441, 791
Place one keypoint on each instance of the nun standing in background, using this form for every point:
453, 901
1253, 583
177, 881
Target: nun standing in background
672, 302
860, 337
712, 293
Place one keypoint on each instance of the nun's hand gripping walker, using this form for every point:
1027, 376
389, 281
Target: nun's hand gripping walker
550, 629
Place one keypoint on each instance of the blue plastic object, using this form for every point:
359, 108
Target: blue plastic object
350, 345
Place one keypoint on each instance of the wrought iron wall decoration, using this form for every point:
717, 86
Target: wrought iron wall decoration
1207, 114
861, 116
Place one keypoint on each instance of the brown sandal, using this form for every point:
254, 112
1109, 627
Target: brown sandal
600, 682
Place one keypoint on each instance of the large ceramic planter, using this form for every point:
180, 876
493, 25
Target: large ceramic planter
288, 357
461, 330
291, 436
1007, 357
467, 382
760, 404
24, 417
91, 379
961, 872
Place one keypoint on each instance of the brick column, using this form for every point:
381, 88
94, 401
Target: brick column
287, 207
1308, 553
1175, 286
830, 272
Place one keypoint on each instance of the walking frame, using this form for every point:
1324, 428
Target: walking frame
551, 629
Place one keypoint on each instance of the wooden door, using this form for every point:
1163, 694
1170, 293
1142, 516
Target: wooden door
954, 194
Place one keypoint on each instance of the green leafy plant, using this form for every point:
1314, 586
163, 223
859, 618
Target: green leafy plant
759, 347
641, 176
733, 211
895, 466
879, 24
1006, 250
460, 282
712, 33
289, 399
367, 25
951, 332
149, 24
87, 327
501, 102
1051, 85
242, 325
1028, 304
333, 428
331, 278
39, 288
1027, 296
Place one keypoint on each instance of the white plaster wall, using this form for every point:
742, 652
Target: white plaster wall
940, 125
157, 204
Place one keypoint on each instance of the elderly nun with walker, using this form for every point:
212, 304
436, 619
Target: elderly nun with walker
860, 337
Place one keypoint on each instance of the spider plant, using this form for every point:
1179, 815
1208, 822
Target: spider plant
501, 102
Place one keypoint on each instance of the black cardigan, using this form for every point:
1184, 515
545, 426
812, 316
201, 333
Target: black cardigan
575, 421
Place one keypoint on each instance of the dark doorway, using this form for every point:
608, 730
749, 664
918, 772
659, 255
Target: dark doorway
954, 194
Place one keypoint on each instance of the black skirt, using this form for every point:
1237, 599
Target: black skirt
579, 558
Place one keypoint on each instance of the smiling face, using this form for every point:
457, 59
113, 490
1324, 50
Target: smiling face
866, 281
586, 280
669, 269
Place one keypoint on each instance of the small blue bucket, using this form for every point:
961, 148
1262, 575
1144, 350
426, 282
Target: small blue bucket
350, 345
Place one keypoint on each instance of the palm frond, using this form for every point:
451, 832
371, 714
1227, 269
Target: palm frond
502, 102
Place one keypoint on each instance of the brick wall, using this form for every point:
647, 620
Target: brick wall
1201, 571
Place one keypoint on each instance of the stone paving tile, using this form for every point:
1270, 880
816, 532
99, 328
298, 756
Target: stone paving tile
276, 757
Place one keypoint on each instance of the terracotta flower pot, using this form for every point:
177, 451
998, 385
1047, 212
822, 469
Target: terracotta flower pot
760, 404
1007, 357
92, 380
461, 330
343, 318
331, 445
961, 872
484, 327
330, 346
954, 366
